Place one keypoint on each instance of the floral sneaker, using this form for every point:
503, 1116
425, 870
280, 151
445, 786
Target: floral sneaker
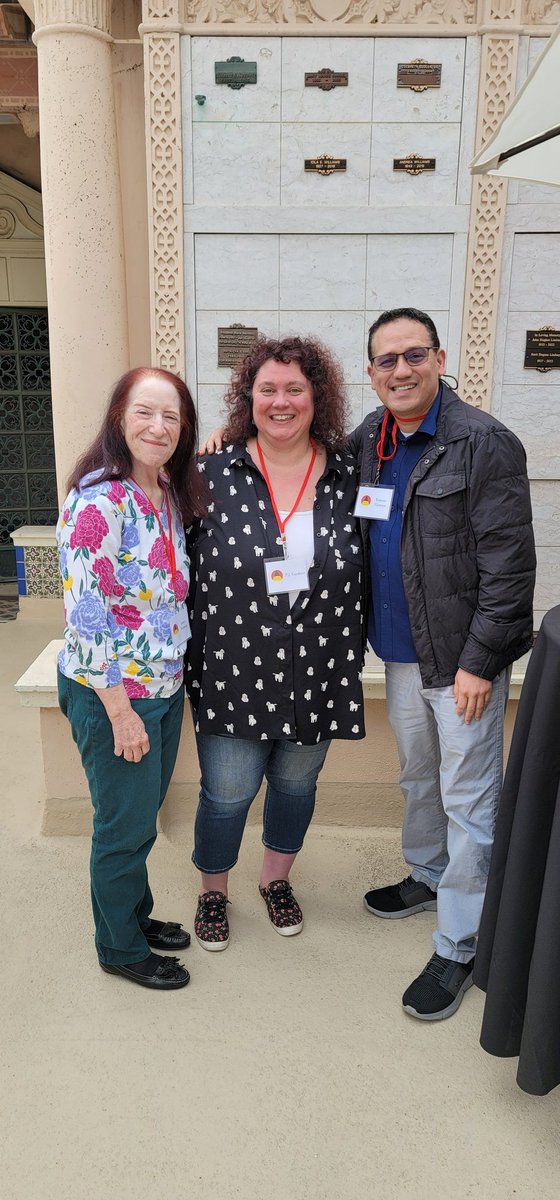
283, 909
211, 927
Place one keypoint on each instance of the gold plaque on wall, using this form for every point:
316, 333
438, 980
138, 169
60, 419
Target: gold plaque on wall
234, 342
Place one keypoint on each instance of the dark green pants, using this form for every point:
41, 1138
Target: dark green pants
126, 798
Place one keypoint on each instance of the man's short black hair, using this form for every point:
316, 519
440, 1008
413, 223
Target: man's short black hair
406, 314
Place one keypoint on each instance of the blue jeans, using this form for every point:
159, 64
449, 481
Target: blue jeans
232, 771
451, 779
126, 797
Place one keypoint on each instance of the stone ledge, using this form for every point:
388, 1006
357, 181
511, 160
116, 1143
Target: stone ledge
37, 686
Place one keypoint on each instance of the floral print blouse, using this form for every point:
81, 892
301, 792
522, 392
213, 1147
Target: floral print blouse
124, 621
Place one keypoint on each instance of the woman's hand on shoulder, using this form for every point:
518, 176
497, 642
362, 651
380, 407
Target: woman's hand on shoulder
213, 441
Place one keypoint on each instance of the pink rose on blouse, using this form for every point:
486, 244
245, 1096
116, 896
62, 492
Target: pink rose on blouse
105, 571
181, 587
127, 615
116, 492
90, 529
142, 503
158, 556
135, 690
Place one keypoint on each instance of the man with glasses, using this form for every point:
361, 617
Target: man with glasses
445, 499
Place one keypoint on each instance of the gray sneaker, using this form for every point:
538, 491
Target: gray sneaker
401, 899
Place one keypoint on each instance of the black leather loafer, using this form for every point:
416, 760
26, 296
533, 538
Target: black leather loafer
168, 975
168, 936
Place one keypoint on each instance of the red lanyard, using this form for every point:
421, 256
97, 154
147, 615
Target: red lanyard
381, 457
282, 523
166, 538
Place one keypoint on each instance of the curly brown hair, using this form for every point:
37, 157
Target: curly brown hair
319, 366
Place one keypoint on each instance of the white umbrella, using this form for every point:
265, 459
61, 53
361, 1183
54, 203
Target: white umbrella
526, 144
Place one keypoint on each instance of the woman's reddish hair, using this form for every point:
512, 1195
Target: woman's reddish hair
110, 457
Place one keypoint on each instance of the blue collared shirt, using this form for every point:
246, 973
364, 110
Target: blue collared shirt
389, 631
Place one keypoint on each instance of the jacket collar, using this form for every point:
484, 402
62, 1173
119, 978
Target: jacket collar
452, 423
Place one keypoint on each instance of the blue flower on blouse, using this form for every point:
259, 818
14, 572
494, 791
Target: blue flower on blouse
89, 616
129, 574
130, 537
114, 675
63, 559
160, 620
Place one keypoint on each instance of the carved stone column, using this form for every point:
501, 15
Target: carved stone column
488, 206
160, 30
83, 219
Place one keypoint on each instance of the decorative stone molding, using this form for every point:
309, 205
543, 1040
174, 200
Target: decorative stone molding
488, 212
165, 191
300, 13
541, 12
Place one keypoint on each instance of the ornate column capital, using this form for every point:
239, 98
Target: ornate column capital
500, 12
93, 16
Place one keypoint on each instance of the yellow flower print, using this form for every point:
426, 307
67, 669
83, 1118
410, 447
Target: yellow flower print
81, 679
146, 593
68, 583
132, 669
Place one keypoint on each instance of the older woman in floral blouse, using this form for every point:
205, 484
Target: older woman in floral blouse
125, 573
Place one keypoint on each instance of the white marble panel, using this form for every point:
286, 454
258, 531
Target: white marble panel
545, 498
236, 164
410, 268
349, 187
211, 408
536, 193
258, 101
547, 589
531, 406
351, 103
323, 271
391, 103
429, 141
514, 352
468, 123
186, 119
342, 332
207, 323
543, 451
237, 268
535, 277
355, 406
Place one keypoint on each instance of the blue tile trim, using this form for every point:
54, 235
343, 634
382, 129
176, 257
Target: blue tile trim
20, 554
21, 587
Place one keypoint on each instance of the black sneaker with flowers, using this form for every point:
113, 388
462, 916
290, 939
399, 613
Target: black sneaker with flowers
211, 927
283, 909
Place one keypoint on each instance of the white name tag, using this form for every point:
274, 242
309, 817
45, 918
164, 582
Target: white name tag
285, 575
180, 628
374, 503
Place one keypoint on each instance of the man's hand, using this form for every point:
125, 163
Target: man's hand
213, 441
471, 695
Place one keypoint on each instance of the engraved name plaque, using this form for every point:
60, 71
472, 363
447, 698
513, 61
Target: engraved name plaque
326, 79
235, 73
542, 349
418, 75
414, 164
325, 164
234, 342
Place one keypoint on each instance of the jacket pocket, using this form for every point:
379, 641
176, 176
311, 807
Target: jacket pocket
442, 504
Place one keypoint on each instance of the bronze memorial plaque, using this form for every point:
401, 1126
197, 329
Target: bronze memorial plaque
542, 349
418, 75
234, 342
325, 164
235, 73
326, 79
414, 164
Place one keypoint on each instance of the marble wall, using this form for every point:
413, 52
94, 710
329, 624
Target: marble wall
271, 245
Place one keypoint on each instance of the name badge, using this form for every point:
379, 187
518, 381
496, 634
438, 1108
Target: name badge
285, 575
180, 628
374, 503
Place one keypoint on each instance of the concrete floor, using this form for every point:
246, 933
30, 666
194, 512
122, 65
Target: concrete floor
286, 1069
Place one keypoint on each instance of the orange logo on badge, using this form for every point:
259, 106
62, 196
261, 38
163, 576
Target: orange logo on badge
277, 576
366, 500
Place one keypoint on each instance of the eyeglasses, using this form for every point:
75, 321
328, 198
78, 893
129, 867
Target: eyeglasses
414, 357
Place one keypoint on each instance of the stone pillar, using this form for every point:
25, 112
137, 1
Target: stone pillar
500, 38
84, 251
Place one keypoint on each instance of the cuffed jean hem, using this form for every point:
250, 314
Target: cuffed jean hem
213, 870
118, 961
281, 849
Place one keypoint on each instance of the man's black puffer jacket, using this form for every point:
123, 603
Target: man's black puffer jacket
467, 546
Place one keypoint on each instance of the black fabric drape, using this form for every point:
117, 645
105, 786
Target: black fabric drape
518, 954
